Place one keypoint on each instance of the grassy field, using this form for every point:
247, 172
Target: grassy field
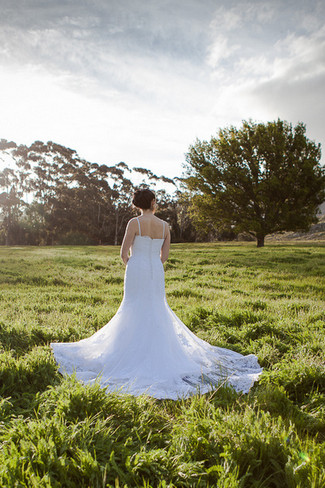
57, 433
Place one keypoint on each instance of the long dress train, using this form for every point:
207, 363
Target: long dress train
146, 348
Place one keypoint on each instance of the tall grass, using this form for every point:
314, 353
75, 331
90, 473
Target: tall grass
56, 432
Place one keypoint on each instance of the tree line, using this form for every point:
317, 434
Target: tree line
49, 195
249, 181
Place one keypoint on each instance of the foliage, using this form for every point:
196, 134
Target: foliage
260, 178
71, 201
56, 432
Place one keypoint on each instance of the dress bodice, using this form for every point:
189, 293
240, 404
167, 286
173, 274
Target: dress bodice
146, 247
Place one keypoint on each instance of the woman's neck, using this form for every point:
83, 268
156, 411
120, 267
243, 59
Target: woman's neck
148, 211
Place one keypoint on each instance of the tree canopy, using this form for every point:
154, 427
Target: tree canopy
259, 178
49, 195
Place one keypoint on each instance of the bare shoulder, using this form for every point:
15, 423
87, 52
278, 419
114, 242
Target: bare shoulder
132, 220
132, 223
162, 221
166, 228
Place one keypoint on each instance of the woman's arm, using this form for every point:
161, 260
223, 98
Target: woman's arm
127, 241
165, 247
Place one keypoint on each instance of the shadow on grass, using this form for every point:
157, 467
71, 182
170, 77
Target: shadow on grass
22, 378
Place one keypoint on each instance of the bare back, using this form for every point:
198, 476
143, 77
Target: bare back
151, 226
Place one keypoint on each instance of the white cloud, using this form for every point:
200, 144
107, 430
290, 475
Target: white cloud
225, 19
111, 127
302, 56
294, 88
219, 50
235, 15
293, 58
139, 81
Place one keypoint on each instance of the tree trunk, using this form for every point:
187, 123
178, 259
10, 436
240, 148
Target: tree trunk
260, 241
8, 234
116, 227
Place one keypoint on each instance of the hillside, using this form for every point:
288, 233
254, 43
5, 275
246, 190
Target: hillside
316, 233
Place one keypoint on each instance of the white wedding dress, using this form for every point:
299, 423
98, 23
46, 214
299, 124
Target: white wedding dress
145, 348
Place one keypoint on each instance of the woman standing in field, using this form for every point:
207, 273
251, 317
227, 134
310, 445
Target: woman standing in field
145, 348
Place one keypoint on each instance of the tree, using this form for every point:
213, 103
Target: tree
122, 189
49, 195
260, 179
69, 195
10, 203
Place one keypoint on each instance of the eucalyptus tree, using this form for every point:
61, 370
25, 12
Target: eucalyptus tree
66, 191
13, 186
10, 203
50, 195
123, 189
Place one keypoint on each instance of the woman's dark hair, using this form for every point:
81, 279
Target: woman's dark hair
143, 198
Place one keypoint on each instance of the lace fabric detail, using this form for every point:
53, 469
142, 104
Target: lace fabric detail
146, 348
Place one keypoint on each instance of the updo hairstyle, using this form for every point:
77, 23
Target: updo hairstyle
143, 198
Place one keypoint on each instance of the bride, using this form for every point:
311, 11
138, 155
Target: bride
145, 348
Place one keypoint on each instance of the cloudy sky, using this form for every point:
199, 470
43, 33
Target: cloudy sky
139, 80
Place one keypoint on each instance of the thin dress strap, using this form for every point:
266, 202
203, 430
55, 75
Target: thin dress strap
139, 226
163, 230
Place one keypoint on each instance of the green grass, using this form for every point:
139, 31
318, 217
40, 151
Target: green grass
55, 432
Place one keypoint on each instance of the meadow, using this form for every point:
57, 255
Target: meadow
55, 432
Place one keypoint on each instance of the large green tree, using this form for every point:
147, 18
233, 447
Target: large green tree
259, 178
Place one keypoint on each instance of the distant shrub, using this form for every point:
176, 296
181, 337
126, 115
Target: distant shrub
74, 238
